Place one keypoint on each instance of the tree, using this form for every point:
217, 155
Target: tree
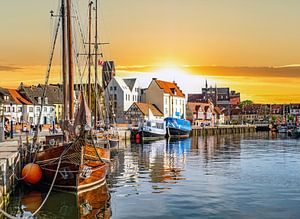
245, 103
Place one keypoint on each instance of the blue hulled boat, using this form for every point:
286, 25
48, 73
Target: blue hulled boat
180, 128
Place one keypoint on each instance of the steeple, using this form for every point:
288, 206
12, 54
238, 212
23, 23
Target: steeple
206, 86
216, 94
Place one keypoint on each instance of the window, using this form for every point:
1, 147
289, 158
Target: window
110, 88
46, 100
128, 97
38, 109
20, 109
115, 88
39, 100
6, 97
13, 109
115, 96
45, 109
115, 104
31, 109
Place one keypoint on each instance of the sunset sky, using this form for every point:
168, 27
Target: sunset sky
252, 46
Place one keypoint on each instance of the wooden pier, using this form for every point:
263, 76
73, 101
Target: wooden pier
224, 129
10, 167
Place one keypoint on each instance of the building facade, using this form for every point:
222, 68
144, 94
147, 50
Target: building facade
139, 112
167, 97
121, 94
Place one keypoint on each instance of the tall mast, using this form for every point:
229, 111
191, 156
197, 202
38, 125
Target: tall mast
64, 63
96, 62
70, 61
89, 57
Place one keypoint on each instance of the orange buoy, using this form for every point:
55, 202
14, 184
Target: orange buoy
32, 173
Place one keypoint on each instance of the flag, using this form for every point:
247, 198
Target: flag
100, 62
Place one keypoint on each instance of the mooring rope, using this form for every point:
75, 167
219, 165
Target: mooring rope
46, 198
48, 194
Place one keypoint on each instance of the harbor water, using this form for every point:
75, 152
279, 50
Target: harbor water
250, 175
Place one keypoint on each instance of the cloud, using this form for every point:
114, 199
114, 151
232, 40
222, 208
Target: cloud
237, 71
9, 68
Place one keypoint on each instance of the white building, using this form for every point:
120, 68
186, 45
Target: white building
14, 105
167, 97
122, 93
34, 95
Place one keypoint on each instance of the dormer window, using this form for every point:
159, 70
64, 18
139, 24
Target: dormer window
6, 97
39, 100
46, 100
173, 90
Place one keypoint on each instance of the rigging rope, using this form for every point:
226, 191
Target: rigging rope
46, 81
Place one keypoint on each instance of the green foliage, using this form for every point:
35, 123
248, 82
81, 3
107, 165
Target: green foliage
290, 118
245, 103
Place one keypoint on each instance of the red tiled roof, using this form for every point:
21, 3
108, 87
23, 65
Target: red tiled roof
169, 86
17, 97
144, 107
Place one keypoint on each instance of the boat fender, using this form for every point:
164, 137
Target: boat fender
31, 173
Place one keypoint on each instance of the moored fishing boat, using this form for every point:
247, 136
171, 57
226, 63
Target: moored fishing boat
77, 160
176, 127
152, 129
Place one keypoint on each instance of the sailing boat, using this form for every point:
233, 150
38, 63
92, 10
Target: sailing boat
78, 162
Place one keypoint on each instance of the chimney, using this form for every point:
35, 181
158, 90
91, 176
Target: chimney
154, 79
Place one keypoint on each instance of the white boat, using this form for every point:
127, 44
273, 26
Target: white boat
153, 129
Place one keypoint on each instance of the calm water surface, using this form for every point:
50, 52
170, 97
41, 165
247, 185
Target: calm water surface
230, 176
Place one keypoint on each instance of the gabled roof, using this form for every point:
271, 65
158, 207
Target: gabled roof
17, 98
170, 88
144, 108
32, 93
194, 106
4, 91
121, 83
130, 82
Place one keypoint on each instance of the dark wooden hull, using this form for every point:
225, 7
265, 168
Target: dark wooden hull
150, 135
74, 174
177, 133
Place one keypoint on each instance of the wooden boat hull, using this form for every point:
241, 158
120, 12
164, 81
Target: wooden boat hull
72, 174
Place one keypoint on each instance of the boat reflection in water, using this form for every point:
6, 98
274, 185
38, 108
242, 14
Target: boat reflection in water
94, 203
